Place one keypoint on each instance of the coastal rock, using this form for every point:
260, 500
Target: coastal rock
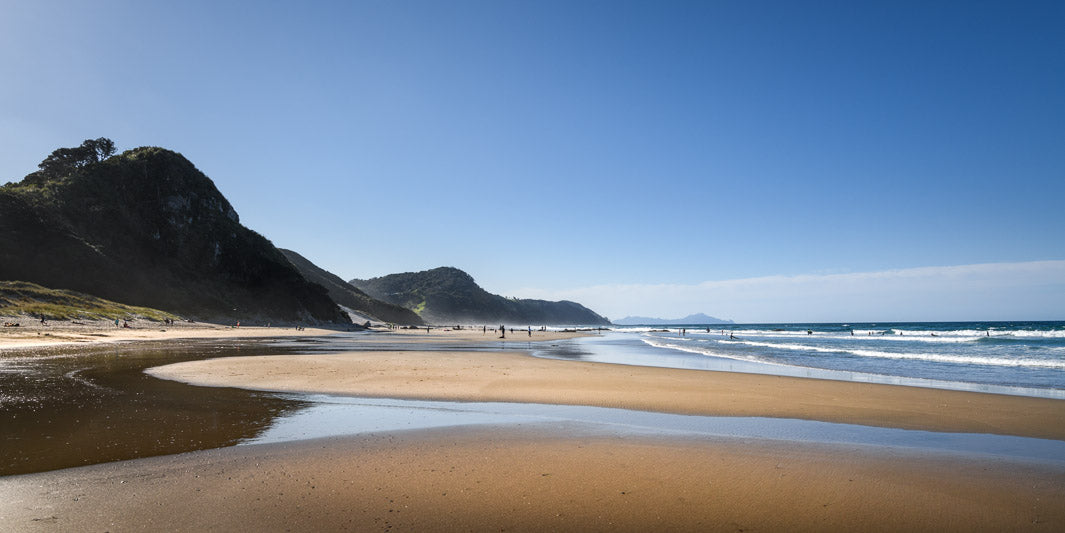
147, 228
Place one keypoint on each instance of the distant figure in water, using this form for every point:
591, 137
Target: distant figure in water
809, 332
988, 333
731, 336
852, 333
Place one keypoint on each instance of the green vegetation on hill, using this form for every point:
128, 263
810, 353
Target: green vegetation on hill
20, 298
448, 295
348, 296
147, 228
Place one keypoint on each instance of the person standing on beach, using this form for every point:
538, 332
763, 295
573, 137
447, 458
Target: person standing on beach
503, 329
530, 331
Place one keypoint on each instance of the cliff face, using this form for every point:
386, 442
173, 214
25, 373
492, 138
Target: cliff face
147, 228
349, 296
448, 295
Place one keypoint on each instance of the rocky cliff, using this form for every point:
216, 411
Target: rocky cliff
349, 296
147, 228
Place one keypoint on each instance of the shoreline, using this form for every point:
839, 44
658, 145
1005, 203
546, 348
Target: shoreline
31, 334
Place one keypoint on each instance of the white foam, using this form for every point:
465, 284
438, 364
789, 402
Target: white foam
702, 350
931, 357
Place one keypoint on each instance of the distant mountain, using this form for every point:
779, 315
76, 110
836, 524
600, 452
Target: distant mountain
346, 295
146, 228
448, 295
697, 318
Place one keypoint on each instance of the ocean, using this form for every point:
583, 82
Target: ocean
1023, 358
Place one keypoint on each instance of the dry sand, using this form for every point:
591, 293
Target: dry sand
500, 479
510, 377
443, 334
32, 334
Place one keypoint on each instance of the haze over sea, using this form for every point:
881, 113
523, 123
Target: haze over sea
1025, 358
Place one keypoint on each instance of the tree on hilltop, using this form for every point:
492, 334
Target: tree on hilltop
66, 160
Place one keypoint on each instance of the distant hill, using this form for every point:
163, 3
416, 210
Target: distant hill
448, 295
147, 228
697, 318
351, 297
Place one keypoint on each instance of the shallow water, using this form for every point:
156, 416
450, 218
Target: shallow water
329, 416
65, 407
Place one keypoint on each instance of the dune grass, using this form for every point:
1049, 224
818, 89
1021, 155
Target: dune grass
20, 298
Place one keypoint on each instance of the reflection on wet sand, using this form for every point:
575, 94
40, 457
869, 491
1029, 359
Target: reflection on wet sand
66, 407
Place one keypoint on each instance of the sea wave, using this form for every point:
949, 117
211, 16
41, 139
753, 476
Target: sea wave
898, 335
701, 349
931, 357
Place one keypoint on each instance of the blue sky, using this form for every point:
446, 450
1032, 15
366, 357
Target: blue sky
553, 148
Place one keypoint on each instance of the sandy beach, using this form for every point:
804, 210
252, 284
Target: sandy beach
32, 333
544, 477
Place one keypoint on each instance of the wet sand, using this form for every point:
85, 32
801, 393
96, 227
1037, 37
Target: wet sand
537, 479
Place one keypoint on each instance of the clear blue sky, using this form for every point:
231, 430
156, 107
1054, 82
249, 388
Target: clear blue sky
551, 147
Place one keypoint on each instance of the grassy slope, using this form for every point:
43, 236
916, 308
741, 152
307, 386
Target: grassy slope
20, 298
